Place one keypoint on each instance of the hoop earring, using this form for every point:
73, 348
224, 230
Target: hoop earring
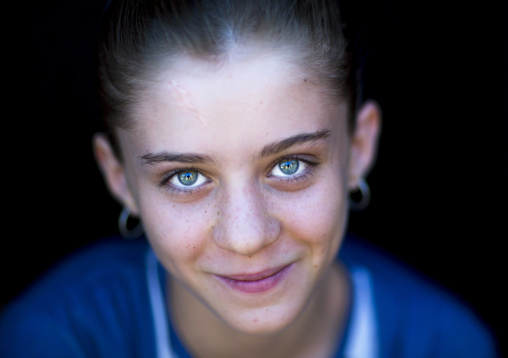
364, 201
122, 226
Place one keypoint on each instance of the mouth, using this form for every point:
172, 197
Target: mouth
256, 282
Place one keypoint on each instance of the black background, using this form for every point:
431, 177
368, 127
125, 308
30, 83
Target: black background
439, 187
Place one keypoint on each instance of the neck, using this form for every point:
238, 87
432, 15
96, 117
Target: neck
315, 333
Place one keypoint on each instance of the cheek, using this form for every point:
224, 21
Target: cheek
178, 233
319, 217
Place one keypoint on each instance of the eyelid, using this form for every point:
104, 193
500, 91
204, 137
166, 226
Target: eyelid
201, 179
177, 189
300, 158
295, 182
302, 167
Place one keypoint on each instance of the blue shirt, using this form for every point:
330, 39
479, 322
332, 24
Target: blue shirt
108, 301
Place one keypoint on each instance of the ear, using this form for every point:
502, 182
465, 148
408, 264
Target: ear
364, 142
113, 172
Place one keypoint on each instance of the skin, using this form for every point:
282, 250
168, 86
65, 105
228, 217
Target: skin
227, 121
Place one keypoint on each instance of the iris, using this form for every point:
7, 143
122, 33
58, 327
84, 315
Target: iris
289, 167
188, 177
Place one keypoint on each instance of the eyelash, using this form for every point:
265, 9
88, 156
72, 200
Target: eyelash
296, 178
307, 172
173, 190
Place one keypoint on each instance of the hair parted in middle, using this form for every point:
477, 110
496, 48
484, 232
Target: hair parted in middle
142, 37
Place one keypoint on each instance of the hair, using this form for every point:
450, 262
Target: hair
139, 37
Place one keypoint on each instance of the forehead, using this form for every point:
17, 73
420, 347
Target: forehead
250, 94
192, 82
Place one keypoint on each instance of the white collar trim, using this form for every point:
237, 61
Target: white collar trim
159, 315
362, 341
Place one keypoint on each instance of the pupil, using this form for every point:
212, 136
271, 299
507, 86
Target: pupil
289, 167
188, 178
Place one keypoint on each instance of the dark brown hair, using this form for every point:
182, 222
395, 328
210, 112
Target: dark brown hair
138, 37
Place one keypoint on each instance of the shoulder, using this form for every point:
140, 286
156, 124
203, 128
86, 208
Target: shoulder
102, 265
96, 292
415, 316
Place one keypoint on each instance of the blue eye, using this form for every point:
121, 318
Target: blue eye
188, 179
288, 168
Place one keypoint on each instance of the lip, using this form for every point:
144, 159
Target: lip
256, 282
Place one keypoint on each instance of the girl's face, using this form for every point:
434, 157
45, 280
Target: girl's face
240, 173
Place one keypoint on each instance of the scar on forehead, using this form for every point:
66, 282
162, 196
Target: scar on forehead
183, 100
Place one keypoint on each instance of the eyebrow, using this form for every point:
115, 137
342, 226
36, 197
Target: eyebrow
270, 149
298, 139
157, 158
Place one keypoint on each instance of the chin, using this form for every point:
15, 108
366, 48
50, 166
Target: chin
263, 321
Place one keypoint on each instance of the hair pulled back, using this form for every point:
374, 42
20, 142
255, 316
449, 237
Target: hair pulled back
138, 37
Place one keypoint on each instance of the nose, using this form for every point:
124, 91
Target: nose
244, 224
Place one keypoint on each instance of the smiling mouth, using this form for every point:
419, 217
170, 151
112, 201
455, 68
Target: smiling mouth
257, 282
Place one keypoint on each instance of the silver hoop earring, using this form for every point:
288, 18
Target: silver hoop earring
363, 202
122, 226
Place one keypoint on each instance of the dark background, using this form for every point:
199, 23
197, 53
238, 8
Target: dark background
439, 188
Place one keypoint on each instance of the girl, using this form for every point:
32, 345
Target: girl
235, 134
